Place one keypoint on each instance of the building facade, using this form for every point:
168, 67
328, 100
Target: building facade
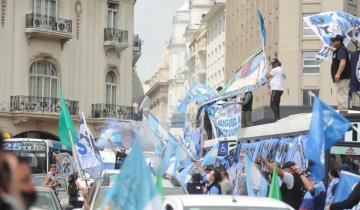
158, 91
215, 45
84, 48
288, 39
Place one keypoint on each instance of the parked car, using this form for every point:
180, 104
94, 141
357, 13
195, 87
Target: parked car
212, 202
46, 199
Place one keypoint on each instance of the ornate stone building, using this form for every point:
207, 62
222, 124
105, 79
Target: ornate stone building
85, 48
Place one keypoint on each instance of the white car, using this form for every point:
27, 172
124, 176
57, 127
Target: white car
223, 202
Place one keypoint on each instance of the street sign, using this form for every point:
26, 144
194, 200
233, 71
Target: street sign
223, 148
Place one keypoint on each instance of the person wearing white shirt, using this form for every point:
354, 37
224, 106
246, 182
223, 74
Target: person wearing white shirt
276, 77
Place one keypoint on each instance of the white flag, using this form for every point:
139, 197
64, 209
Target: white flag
88, 153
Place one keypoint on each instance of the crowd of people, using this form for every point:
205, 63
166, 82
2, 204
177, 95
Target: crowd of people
297, 188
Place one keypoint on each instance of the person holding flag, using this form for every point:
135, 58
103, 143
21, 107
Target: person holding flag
350, 202
292, 187
120, 155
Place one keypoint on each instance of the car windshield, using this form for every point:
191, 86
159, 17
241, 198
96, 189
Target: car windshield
44, 200
232, 208
36, 160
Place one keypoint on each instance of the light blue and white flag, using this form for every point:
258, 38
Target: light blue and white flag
326, 128
211, 156
134, 188
184, 176
329, 24
255, 182
225, 119
345, 185
88, 154
165, 145
262, 29
196, 92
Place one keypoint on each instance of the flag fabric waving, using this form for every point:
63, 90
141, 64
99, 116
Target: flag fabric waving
274, 191
262, 28
256, 184
328, 24
210, 157
196, 92
166, 143
134, 188
326, 128
88, 153
345, 185
66, 126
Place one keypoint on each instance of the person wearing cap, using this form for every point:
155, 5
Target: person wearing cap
341, 72
276, 77
292, 187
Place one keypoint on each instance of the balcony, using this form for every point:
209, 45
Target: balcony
48, 27
33, 104
115, 39
115, 111
137, 42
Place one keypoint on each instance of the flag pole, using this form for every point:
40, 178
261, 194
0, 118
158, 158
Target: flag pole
74, 153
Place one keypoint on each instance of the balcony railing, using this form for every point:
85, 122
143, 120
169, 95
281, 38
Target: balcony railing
48, 23
40, 104
116, 111
115, 35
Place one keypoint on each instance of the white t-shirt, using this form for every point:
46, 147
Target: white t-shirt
277, 79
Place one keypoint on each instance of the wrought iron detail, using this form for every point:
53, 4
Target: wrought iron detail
41, 104
116, 35
48, 23
116, 111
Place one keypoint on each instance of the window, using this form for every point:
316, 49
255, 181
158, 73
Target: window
112, 15
307, 99
111, 83
45, 7
307, 30
310, 63
43, 80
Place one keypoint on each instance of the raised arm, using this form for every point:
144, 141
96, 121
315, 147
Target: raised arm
112, 146
271, 167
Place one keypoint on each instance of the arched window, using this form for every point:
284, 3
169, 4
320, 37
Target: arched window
111, 83
43, 80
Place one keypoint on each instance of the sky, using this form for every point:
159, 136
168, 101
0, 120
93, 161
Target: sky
153, 22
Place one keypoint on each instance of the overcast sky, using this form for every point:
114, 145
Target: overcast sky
153, 22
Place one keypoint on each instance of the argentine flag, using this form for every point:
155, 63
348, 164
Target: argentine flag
134, 188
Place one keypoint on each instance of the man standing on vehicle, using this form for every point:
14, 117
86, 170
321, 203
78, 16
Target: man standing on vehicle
341, 72
277, 77
120, 155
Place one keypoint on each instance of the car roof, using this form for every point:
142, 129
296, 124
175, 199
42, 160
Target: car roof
40, 188
224, 200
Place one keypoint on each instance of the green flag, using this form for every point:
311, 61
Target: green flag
66, 126
274, 187
159, 184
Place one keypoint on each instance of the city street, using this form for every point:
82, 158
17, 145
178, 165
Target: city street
179, 104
